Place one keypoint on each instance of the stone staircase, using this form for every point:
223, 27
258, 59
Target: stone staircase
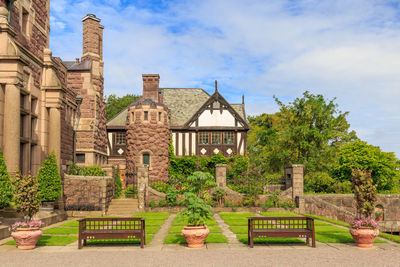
123, 207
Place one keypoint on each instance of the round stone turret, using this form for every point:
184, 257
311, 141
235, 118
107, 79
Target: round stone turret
147, 140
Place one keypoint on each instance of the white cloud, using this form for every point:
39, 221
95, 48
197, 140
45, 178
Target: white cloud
344, 49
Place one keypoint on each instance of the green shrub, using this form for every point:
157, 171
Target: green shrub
237, 167
87, 170
275, 198
171, 196
152, 204
268, 204
364, 192
200, 180
26, 195
322, 182
130, 189
162, 203
49, 179
182, 202
6, 193
160, 186
197, 212
117, 183
219, 195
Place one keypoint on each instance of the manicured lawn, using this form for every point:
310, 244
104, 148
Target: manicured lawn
327, 219
47, 240
61, 231
395, 238
70, 224
174, 233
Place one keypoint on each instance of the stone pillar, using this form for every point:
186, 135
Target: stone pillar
55, 133
142, 185
220, 175
294, 177
12, 124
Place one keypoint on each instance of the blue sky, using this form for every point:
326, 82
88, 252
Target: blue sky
345, 49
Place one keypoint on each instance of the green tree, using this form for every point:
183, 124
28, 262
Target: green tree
308, 130
360, 155
49, 179
6, 193
115, 104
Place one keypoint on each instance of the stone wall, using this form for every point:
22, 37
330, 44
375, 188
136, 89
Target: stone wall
88, 193
150, 137
342, 207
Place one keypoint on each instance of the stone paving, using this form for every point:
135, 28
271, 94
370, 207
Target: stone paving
233, 253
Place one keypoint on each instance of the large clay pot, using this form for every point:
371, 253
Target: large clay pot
195, 235
364, 236
26, 238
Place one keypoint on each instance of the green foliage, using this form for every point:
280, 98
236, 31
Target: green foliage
171, 196
322, 182
160, 186
200, 180
6, 193
26, 195
364, 192
359, 155
152, 204
131, 190
275, 198
49, 179
197, 212
87, 170
183, 165
309, 131
115, 104
207, 164
219, 194
162, 203
239, 165
117, 182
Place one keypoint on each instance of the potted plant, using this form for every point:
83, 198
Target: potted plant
364, 229
197, 212
49, 182
27, 201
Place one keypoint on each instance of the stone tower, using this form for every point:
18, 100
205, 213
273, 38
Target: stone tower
148, 133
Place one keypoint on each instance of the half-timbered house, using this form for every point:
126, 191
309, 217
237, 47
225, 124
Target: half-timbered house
200, 124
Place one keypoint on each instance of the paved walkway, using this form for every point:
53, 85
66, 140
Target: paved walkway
232, 239
158, 239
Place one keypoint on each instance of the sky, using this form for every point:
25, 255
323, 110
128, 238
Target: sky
348, 50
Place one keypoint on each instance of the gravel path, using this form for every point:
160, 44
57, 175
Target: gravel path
259, 256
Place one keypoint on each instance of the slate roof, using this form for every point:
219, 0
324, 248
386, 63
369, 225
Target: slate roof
83, 65
119, 119
182, 103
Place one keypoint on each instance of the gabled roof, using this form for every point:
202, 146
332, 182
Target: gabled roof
183, 103
119, 119
233, 109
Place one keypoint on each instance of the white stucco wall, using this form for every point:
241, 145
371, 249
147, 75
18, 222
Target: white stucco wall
216, 118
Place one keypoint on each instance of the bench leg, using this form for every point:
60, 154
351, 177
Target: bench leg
308, 240
79, 243
84, 242
313, 241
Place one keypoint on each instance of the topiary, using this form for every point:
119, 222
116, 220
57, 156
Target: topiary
6, 194
49, 179
364, 192
26, 195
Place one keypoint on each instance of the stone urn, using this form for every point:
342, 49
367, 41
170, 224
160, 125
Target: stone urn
26, 238
195, 235
364, 236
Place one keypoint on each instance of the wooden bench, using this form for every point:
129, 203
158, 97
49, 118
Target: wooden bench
112, 228
264, 227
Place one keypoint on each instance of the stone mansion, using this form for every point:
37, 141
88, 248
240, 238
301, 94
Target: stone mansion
49, 104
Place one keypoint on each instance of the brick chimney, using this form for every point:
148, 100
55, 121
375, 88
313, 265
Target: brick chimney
150, 86
92, 38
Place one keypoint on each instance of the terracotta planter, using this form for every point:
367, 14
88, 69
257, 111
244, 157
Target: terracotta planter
26, 238
195, 235
364, 236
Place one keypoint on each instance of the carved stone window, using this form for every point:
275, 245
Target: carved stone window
146, 159
146, 115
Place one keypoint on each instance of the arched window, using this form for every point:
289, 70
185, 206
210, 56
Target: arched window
146, 159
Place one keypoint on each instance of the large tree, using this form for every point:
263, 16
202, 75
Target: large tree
115, 104
308, 130
360, 155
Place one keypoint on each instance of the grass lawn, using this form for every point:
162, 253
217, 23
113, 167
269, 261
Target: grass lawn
67, 233
174, 233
